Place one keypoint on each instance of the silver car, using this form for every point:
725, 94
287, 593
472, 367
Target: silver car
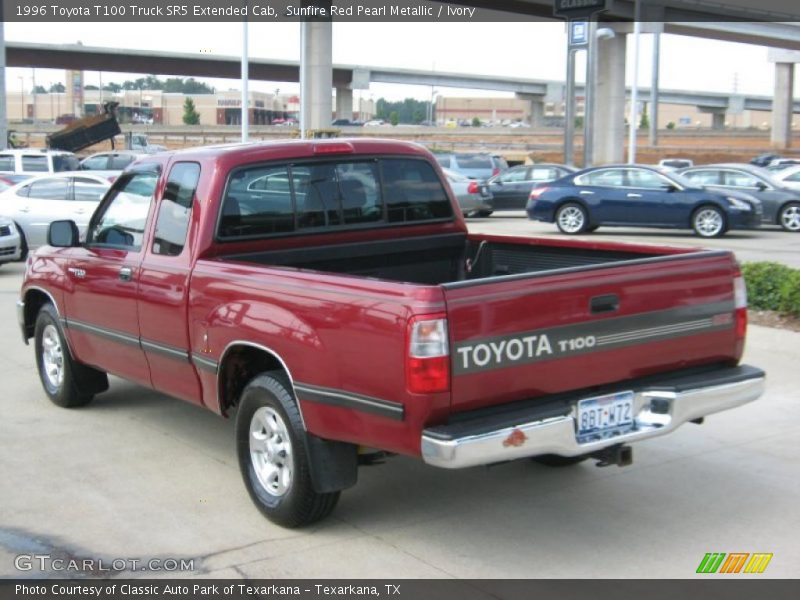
10, 245
473, 197
36, 203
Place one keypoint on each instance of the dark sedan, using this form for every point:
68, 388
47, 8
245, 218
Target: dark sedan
512, 188
781, 203
627, 195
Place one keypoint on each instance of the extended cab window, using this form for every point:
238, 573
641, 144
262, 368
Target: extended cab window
7, 162
175, 209
122, 220
280, 199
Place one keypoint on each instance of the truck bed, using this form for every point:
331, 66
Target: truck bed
443, 259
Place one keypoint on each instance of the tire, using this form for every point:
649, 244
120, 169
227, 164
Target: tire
484, 213
273, 456
789, 217
554, 460
59, 373
572, 218
23, 244
592, 228
709, 222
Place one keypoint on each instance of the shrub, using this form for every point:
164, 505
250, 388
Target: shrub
772, 286
790, 294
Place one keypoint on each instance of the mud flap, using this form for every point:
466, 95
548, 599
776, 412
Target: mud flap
334, 465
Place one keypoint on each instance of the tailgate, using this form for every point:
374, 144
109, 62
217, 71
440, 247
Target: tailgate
528, 335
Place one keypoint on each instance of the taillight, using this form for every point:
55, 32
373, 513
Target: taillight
472, 188
495, 171
740, 309
537, 191
428, 360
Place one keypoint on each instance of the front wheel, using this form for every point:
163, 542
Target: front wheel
708, 222
572, 218
59, 373
789, 217
273, 457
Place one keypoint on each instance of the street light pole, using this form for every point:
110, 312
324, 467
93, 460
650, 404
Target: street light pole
245, 81
3, 113
634, 112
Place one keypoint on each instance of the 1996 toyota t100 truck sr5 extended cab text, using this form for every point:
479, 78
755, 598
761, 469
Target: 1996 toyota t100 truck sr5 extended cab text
330, 293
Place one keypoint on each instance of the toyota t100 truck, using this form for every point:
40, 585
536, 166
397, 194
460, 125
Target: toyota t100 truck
329, 295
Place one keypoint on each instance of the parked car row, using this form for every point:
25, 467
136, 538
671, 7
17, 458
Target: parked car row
710, 200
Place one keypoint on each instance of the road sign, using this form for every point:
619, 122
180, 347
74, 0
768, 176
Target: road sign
578, 34
571, 9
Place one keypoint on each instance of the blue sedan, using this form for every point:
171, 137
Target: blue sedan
638, 196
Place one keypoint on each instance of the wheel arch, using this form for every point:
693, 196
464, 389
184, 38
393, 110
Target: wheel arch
35, 298
239, 363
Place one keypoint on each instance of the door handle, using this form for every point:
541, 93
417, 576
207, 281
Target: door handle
126, 274
634, 195
80, 211
603, 304
586, 192
24, 209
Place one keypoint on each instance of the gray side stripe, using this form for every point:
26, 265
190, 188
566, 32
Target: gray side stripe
472, 356
204, 363
340, 398
129, 340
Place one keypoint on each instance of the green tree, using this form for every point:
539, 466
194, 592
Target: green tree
644, 121
671, 125
476, 122
91, 87
394, 118
190, 115
58, 88
39, 89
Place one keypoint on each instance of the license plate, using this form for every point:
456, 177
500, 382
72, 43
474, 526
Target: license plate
605, 416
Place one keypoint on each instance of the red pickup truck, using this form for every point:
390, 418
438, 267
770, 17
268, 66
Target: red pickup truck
329, 293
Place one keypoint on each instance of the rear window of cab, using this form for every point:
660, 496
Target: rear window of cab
325, 195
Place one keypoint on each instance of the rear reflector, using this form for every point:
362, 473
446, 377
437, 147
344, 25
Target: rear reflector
428, 360
537, 191
740, 307
333, 148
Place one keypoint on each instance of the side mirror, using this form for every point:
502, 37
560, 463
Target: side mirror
497, 181
668, 187
63, 234
761, 186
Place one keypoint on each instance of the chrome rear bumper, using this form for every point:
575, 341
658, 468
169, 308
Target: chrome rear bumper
658, 409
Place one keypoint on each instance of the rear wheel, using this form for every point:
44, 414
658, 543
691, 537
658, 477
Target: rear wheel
273, 457
708, 222
59, 373
789, 216
571, 218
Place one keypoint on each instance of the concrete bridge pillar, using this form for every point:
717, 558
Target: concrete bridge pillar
609, 121
718, 120
782, 106
344, 103
316, 74
535, 110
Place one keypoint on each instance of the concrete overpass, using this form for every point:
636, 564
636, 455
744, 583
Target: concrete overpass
345, 77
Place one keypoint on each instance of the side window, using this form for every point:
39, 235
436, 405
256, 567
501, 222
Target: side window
175, 209
793, 177
50, 188
739, 179
612, 178
88, 190
24, 191
704, 177
544, 174
120, 161
258, 201
640, 178
95, 163
413, 192
35, 164
514, 176
122, 221
7, 162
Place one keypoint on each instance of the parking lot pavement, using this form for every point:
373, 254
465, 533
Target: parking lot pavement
767, 243
139, 475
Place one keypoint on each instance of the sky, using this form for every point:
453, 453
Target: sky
528, 50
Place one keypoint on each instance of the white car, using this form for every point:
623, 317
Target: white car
10, 243
789, 177
33, 161
32, 205
116, 160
